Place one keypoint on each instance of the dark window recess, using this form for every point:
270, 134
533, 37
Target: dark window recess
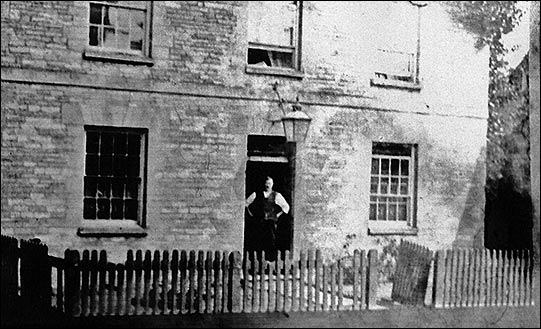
270, 58
391, 149
112, 173
260, 145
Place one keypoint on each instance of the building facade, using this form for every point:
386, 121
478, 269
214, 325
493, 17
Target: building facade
145, 125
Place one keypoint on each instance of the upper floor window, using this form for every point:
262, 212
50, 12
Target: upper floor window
398, 43
114, 181
392, 187
120, 26
274, 34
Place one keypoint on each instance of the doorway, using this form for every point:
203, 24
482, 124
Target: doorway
270, 156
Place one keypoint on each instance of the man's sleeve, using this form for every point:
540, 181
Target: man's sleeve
250, 199
282, 203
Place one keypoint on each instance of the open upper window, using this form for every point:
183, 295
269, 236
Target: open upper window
119, 27
398, 44
392, 188
274, 34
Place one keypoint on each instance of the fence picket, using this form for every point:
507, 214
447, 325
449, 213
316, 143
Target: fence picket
318, 280
172, 297
225, 280
476, 277
302, 282
528, 268
183, 282
294, 287
120, 292
85, 284
263, 267
333, 287
279, 282
255, 282
246, 305
271, 294
325, 305
129, 282
139, 286
191, 283
470, 260
200, 305
111, 293
515, 275
340, 285
364, 280
165, 282
287, 278
217, 282
309, 279
208, 283
154, 296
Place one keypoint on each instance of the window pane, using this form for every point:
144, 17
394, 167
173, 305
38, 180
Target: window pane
384, 185
382, 209
89, 208
118, 188
94, 36
132, 190
106, 143
117, 211
106, 165
394, 185
92, 142
119, 166
109, 37
373, 209
404, 186
120, 144
109, 16
404, 167
374, 185
104, 187
123, 18
384, 166
91, 165
402, 212
392, 211
123, 39
133, 167
130, 209
134, 144
104, 210
91, 185
137, 30
375, 166
394, 166
95, 13
281, 59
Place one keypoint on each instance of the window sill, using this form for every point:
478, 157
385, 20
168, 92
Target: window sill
381, 82
393, 231
103, 229
274, 71
116, 57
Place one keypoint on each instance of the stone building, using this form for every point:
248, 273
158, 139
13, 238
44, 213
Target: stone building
145, 125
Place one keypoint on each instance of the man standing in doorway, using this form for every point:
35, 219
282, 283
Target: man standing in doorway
266, 207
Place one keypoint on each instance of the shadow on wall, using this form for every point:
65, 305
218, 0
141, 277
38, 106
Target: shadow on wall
508, 214
470, 228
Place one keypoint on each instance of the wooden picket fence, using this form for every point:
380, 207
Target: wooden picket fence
185, 282
410, 280
482, 277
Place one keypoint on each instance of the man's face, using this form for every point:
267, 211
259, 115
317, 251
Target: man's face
268, 184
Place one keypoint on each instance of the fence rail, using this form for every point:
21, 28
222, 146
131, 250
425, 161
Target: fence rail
182, 282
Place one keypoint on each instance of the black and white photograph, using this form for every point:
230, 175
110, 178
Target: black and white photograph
270, 164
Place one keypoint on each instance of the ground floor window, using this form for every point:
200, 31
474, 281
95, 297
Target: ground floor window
392, 185
114, 181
